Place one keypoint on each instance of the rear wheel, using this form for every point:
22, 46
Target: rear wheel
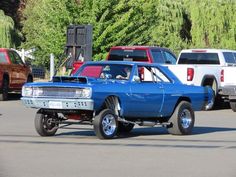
233, 105
182, 120
46, 124
105, 124
214, 87
4, 90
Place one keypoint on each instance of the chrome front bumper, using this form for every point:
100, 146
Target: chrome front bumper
66, 104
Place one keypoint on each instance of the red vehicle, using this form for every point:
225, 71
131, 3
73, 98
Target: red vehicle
150, 54
13, 73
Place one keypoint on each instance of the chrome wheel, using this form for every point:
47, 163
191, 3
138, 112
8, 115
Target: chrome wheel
109, 124
105, 124
185, 118
182, 120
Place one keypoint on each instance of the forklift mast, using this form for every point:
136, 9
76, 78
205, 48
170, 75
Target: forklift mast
78, 44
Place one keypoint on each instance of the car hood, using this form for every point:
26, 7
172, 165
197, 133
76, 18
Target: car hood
67, 81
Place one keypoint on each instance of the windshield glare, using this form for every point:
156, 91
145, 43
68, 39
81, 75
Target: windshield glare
108, 71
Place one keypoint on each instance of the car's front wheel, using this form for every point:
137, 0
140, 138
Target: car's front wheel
4, 90
105, 124
182, 120
46, 124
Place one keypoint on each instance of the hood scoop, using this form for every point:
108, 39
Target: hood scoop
82, 80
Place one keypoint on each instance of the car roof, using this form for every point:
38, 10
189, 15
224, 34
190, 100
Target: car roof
121, 63
138, 47
131, 63
205, 50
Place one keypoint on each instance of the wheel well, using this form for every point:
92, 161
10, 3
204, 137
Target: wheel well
30, 76
182, 99
6, 76
212, 82
208, 81
112, 102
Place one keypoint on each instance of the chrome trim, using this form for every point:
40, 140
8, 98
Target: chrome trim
79, 104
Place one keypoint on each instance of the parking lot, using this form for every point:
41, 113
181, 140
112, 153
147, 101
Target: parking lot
75, 151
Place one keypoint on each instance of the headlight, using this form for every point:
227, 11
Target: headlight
83, 93
27, 91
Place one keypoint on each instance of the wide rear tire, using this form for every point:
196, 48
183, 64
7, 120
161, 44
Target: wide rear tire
182, 120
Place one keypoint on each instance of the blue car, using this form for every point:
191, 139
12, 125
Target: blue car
114, 96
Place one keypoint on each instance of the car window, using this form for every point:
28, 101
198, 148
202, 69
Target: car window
151, 74
171, 59
229, 57
157, 56
234, 56
91, 71
128, 55
12, 57
106, 71
3, 58
199, 58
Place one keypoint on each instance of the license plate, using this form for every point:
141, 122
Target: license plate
55, 104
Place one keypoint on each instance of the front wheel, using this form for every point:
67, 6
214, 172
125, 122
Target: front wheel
233, 105
46, 124
182, 120
4, 90
105, 124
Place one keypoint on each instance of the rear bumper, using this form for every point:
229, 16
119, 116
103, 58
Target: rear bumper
62, 104
230, 91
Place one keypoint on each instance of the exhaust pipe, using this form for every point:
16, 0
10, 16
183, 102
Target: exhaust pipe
148, 123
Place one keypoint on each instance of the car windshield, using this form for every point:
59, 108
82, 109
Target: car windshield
106, 71
199, 58
128, 55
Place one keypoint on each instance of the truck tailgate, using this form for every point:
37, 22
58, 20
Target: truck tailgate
180, 71
228, 74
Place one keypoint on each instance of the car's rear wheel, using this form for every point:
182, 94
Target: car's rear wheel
233, 105
182, 120
46, 124
4, 90
105, 124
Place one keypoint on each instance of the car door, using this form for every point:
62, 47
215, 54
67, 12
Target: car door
13, 71
147, 95
21, 69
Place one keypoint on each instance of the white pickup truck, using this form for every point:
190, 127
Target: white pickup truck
206, 67
228, 82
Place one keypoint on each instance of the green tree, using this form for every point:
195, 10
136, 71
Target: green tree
6, 31
117, 22
168, 25
213, 23
45, 27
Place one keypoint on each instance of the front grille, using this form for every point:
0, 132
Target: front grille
56, 92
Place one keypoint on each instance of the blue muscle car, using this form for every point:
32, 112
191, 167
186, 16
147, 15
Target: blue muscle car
114, 96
